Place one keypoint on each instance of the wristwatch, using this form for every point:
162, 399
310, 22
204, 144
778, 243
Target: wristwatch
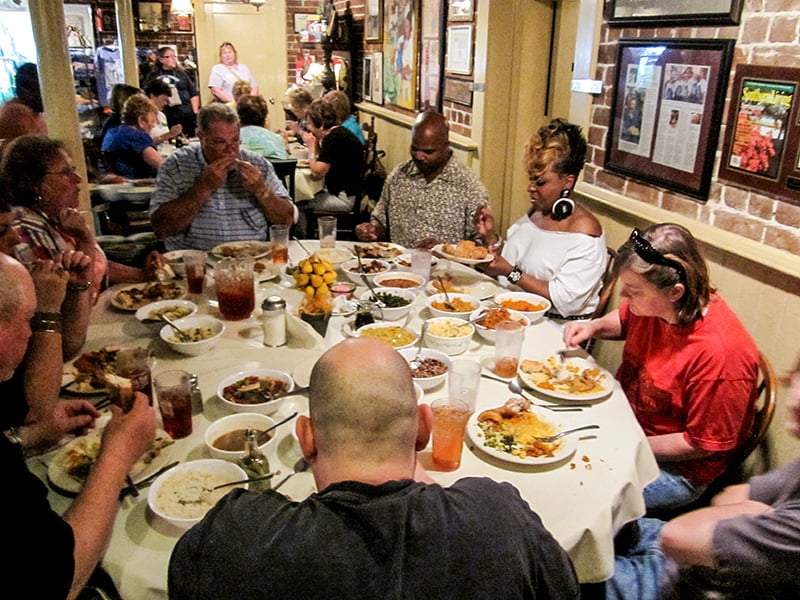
515, 275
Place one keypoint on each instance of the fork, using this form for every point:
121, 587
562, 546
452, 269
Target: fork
560, 434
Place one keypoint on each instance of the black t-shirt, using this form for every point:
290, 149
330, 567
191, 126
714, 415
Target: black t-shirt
344, 152
476, 539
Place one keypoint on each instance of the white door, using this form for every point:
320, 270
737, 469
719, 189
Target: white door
260, 41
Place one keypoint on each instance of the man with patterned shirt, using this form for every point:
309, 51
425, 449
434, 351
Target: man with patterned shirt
215, 192
431, 198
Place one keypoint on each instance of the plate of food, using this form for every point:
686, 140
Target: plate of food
463, 284
382, 250
243, 249
132, 297
509, 433
71, 464
86, 374
172, 309
572, 378
265, 270
465, 252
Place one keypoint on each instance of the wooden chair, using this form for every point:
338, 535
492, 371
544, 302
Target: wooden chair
606, 291
284, 169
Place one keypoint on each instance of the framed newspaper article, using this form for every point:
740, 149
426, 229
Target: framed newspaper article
667, 110
670, 13
762, 134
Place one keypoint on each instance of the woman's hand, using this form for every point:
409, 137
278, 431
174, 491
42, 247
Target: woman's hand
577, 332
78, 265
152, 264
310, 141
72, 222
484, 222
498, 266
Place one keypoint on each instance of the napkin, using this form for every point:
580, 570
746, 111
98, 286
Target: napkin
301, 334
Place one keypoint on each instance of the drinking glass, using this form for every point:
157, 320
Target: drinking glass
174, 395
279, 236
421, 262
134, 364
327, 231
509, 336
450, 417
463, 382
195, 263
233, 278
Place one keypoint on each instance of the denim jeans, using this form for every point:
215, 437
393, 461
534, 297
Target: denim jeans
669, 492
638, 570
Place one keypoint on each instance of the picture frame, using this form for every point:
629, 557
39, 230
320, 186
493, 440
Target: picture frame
667, 111
459, 50
377, 78
80, 31
401, 53
762, 133
432, 26
301, 21
373, 21
460, 10
366, 77
656, 13
150, 17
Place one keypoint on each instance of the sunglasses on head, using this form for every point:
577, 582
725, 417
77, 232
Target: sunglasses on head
646, 252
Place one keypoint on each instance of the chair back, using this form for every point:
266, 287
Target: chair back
284, 169
765, 409
606, 291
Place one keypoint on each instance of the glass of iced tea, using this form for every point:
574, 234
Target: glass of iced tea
233, 278
134, 364
509, 336
195, 263
174, 395
279, 236
449, 422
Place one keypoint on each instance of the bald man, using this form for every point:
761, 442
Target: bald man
378, 527
73, 543
431, 198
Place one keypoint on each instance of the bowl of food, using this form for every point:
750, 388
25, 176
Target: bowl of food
225, 437
369, 267
202, 331
486, 326
452, 305
395, 303
448, 335
400, 279
171, 309
433, 369
398, 337
524, 303
250, 390
184, 494
336, 256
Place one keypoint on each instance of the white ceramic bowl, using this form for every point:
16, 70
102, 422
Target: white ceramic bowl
264, 408
428, 383
188, 323
393, 313
336, 256
419, 392
488, 333
449, 345
237, 422
174, 259
350, 268
440, 298
415, 282
533, 315
220, 471
145, 312
377, 326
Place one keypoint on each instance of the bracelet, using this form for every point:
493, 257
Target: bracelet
79, 287
46, 322
496, 245
515, 275
311, 156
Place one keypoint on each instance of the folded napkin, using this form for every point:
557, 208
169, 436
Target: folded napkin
301, 334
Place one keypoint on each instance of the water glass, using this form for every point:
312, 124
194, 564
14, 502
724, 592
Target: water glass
279, 236
509, 336
327, 231
421, 262
463, 382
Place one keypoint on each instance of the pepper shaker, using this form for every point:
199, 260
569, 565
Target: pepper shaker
273, 321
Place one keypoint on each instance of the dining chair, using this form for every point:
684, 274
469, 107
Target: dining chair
284, 169
606, 291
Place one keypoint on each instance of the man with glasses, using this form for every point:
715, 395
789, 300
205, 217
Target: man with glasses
215, 192
184, 102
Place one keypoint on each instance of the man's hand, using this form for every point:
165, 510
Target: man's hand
215, 174
367, 232
252, 178
50, 281
68, 417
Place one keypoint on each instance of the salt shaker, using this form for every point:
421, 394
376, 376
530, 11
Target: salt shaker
273, 321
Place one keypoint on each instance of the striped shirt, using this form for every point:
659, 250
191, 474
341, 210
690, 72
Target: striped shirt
232, 213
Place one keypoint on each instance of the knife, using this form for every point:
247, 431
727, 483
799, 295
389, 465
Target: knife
127, 491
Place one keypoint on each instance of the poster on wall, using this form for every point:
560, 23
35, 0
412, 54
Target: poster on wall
430, 71
400, 33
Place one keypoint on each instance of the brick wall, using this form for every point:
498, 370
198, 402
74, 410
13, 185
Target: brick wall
769, 34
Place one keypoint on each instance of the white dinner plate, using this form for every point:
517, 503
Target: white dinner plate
242, 249
175, 292
265, 270
144, 467
567, 448
481, 289
607, 382
83, 388
381, 250
144, 313
464, 261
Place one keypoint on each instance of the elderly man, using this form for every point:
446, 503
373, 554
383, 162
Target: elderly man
73, 543
371, 531
431, 198
215, 191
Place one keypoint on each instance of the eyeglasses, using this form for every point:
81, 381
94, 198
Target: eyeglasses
646, 252
71, 170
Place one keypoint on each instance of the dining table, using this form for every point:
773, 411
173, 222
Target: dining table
583, 499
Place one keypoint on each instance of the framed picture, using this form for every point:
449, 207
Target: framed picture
762, 133
373, 21
301, 21
432, 27
656, 13
400, 53
460, 10
459, 49
667, 111
377, 78
80, 33
150, 18
366, 78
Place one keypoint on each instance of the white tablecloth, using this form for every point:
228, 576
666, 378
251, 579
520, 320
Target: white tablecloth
583, 501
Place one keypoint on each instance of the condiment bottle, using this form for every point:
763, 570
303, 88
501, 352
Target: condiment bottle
273, 321
253, 460
364, 314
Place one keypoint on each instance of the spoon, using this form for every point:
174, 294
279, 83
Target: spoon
516, 388
560, 434
300, 466
260, 438
416, 362
447, 303
183, 335
299, 243
261, 478
296, 391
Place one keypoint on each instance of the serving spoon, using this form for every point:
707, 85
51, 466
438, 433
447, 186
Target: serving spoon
296, 391
415, 362
300, 466
183, 335
447, 303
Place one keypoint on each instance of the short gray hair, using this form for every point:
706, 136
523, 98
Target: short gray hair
214, 113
